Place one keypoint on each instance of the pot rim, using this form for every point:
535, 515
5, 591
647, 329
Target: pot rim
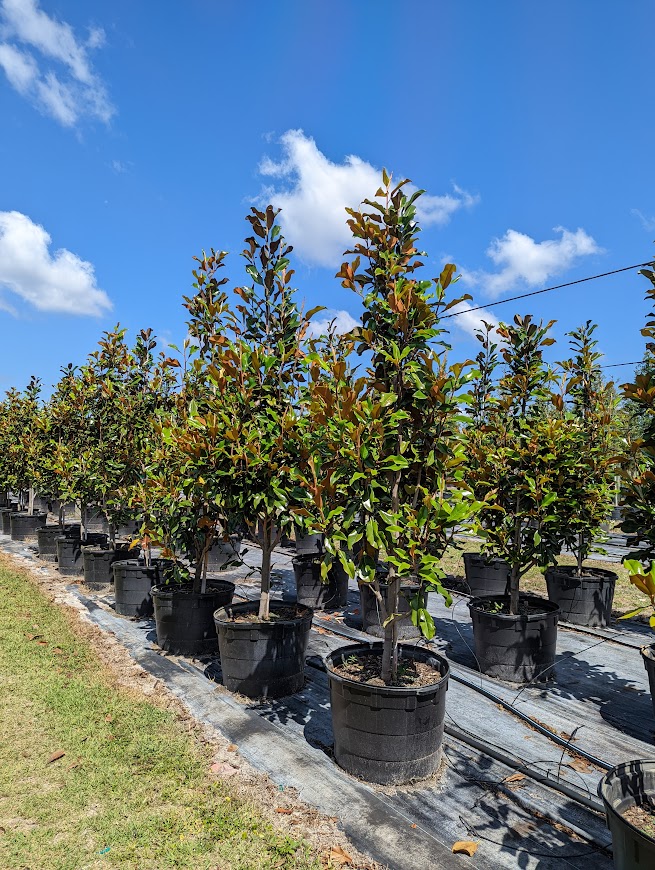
612, 774
375, 647
220, 619
550, 608
567, 571
169, 590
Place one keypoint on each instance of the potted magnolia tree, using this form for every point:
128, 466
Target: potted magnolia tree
484, 575
389, 493
190, 498
24, 458
517, 473
258, 373
585, 490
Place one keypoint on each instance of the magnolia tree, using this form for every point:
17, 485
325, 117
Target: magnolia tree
585, 490
192, 493
21, 442
258, 376
388, 483
639, 510
516, 469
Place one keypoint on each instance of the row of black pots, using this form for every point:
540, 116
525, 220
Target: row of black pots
582, 600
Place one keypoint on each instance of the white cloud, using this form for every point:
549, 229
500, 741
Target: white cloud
343, 322
470, 321
66, 92
648, 223
524, 262
317, 191
57, 281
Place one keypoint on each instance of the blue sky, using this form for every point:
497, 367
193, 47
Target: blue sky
136, 134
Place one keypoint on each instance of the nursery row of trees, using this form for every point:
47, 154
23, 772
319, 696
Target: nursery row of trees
374, 438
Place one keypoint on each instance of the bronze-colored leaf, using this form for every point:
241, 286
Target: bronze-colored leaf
465, 847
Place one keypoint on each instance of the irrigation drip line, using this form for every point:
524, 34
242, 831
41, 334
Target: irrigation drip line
474, 833
521, 766
545, 290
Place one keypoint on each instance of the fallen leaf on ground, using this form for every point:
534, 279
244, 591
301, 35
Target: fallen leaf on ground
223, 769
522, 829
55, 755
339, 856
33, 636
57, 650
413, 825
232, 747
109, 718
580, 764
465, 847
283, 810
42, 642
515, 777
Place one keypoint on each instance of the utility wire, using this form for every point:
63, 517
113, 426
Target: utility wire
545, 290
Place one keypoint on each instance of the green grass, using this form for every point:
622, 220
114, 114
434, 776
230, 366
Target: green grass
133, 789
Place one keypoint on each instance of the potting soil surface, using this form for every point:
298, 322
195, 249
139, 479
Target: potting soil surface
597, 701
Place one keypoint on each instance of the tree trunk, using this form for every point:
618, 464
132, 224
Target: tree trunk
390, 644
580, 553
83, 520
30, 501
265, 599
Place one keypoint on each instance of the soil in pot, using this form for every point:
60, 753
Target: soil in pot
263, 659
387, 734
485, 576
583, 599
24, 526
312, 592
185, 619
519, 648
98, 565
132, 584
628, 795
371, 622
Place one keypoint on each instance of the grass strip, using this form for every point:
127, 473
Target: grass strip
133, 788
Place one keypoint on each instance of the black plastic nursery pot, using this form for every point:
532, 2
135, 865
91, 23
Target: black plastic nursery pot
133, 582
6, 513
628, 785
263, 659
485, 577
69, 550
371, 622
185, 619
47, 541
519, 648
312, 592
648, 657
96, 521
98, 563
386, 734
309, 545
583, 600
24, 526
223, 552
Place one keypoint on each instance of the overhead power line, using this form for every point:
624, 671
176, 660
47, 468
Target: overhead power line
547, 290
616, 365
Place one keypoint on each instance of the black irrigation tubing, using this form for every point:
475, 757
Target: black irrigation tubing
517, 764
474, 833
545, 290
